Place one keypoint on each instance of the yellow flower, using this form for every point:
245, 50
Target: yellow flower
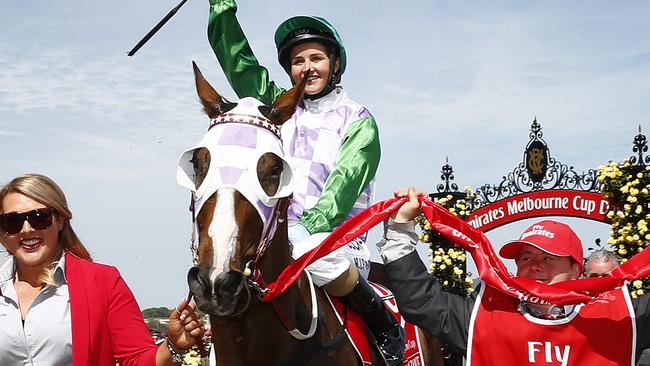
637, 283
437, 259
640, 292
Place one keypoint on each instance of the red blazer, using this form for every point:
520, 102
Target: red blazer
107, 324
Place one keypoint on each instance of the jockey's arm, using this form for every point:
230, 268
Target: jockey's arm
419, 296
244, 73
355, 168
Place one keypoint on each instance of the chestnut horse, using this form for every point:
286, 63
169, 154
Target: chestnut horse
241, 185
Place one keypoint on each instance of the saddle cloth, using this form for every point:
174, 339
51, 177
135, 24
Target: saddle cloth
356, 333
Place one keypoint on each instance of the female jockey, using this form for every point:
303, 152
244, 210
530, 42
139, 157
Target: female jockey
333, 145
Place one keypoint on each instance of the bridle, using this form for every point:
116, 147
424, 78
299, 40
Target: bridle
251, 271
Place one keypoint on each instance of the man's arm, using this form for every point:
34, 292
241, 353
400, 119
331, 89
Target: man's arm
641, 307
419, 296
244, 73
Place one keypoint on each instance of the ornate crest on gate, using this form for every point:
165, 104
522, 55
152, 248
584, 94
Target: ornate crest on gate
536, 155
538, 171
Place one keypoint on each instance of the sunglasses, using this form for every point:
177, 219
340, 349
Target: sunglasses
40, 219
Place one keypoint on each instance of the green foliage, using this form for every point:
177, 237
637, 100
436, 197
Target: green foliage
153, 324
627, 188
448, 262
161, 312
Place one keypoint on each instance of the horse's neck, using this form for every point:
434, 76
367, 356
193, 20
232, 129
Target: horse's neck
278, 255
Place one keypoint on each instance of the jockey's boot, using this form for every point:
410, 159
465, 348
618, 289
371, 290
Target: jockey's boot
381, 322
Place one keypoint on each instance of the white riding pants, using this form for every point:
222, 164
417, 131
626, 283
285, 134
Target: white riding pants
329, 267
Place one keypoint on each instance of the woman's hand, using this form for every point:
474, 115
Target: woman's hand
411, 208
185, 326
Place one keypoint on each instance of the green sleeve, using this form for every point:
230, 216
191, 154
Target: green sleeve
356, 165
244, 73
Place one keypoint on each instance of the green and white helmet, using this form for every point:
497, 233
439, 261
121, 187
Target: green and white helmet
300, 29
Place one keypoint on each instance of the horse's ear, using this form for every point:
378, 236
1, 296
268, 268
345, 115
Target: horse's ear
285, 105
211, 100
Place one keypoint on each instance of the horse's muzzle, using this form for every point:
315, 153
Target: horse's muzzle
227, 297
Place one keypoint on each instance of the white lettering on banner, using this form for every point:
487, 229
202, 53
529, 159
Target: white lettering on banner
527, 297
550, 351
581, 204
541, 203
604, 207
414, 362
487, 217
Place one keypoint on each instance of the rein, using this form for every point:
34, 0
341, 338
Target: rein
254, 279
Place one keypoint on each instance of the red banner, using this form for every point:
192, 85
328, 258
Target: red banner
588, 205
490, 267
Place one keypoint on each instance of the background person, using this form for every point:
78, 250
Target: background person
332, 144
600, 263
57, 307
488, 322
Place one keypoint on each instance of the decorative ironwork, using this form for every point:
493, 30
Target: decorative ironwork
447, 177
640, 147
538, 171
447, 187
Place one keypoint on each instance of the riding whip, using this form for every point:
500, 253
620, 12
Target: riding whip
156, 28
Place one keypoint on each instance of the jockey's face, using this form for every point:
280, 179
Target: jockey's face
311, 55
544, 267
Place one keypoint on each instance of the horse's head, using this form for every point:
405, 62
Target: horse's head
237, 174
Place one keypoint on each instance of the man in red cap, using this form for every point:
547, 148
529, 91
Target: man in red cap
495, 328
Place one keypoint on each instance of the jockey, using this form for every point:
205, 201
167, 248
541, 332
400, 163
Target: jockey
332, 144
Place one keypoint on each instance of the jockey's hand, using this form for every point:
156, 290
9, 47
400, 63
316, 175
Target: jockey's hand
297, 233
185, 326
411, 208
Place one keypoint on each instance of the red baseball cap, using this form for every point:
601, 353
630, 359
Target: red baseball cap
549, 236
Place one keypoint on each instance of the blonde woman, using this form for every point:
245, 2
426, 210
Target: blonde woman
58, 307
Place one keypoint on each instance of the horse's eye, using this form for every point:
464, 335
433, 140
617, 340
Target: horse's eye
269, 170
201, 163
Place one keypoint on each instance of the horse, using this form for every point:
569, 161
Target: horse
241, 186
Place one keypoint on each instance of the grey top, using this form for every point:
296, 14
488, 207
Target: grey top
45, 338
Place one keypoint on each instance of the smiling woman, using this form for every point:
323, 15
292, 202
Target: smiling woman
52, 292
